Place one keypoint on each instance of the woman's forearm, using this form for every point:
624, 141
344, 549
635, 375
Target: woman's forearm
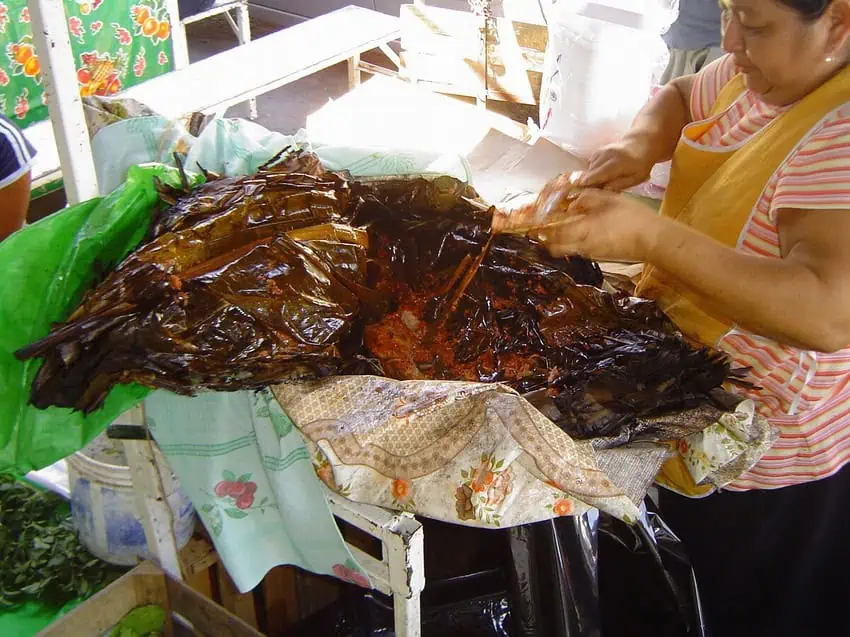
777, 298
14, 203
659, 124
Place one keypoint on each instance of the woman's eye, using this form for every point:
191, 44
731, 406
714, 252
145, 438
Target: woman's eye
752, 30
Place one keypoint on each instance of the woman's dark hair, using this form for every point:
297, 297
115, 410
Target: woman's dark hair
809, 9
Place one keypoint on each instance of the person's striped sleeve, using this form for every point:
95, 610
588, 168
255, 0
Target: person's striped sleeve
817, 175
16, 153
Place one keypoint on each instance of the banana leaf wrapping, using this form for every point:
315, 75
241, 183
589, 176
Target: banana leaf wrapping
296, 273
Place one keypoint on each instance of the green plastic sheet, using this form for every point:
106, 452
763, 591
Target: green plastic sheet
31, 618
48, 266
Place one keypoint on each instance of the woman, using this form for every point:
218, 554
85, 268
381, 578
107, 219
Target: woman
16, 158
751, 254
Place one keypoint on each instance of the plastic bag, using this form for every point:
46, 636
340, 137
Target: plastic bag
59, 258
602, 61
646, 579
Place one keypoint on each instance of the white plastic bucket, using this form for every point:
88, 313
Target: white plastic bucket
103, 505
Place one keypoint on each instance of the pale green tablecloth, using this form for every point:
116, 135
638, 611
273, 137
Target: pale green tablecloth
249, 475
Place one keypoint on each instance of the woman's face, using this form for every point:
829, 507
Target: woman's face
784, 57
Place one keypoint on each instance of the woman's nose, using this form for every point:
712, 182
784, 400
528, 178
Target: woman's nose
732, 39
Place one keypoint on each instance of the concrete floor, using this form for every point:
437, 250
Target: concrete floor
286, 109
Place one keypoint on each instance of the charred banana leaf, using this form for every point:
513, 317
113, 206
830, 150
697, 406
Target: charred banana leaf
298, 272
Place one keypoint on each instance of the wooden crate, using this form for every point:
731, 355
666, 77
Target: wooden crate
147, 584
442, 49
286, 595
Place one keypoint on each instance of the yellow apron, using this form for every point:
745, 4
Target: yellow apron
715, 190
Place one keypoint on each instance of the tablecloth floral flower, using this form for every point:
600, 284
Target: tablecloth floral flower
116, 44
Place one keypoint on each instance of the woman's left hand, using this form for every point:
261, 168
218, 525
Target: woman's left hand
602, 225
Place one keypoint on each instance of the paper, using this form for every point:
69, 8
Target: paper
505, 169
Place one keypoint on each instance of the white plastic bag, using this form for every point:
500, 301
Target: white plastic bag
602, 60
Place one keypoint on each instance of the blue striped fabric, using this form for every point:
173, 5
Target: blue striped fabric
16, 153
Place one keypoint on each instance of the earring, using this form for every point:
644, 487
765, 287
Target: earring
828, 60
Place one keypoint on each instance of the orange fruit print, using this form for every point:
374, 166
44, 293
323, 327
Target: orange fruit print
23, 52
32, 66
142, 14
150, 26
163, 31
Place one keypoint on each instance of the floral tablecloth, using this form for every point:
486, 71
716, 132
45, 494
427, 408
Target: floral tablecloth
116, 44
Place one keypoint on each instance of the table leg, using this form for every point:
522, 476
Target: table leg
354, 71
243, 32
407, 616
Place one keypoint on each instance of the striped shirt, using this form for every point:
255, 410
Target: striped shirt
16, 153
805, 394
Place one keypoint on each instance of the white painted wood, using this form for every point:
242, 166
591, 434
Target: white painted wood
371, 519
407, 615
378, 571
405, 554
402, 571
243, 32
151, 502
68, 123
179, 45
392, 55
267, 63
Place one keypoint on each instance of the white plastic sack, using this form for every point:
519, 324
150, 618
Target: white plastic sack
602, 60
239, 147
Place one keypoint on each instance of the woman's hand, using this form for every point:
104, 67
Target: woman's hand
618, 166
554, 196
604, 226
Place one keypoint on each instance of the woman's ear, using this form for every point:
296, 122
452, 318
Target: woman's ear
837, 18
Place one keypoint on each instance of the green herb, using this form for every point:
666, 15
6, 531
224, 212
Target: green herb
40, 555
144, 621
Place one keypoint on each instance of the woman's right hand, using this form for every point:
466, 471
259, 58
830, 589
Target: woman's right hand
617, 167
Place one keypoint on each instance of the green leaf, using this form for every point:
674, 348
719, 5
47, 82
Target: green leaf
216, 522
500, 464
144, 620
228, 476
236, 514
206, 508
464, 474
263, 501
244, 477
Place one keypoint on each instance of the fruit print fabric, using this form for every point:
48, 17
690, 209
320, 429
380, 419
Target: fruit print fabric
248, 474
116, 44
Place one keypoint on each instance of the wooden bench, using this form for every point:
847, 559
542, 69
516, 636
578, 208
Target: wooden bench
214, 84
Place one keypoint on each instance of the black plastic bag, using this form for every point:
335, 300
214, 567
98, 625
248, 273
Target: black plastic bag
479, 608
646, 580
578, 576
